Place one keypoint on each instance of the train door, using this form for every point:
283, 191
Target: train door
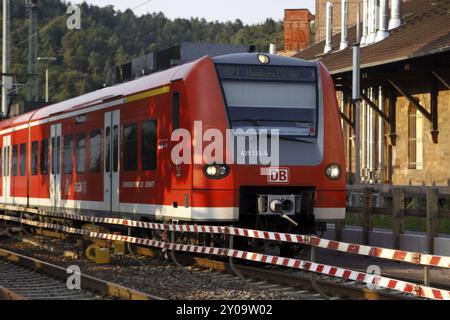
6, 179
112, 163
55, 165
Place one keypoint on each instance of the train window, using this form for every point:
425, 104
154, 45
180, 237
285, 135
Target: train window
130, 147
15, 154
58, 154
108, 149
116, 148
282, 97
80, 153
6, 158
68, 154
95, 151
34, 157
23, 159
149, 149
53, 155
44, 157
176, 110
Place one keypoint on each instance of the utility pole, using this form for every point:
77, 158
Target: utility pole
356, 95
48, 60
33, 80
6, 63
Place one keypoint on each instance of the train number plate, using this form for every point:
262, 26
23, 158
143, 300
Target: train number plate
278, 175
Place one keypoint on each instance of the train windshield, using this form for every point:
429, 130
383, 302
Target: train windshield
271, 97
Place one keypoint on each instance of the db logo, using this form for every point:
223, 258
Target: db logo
278, 175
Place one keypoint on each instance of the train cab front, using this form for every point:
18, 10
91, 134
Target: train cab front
284, 158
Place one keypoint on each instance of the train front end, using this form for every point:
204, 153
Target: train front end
283, 162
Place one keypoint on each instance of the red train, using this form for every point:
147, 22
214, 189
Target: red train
111, 152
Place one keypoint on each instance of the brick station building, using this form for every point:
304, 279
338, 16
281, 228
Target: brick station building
405, 100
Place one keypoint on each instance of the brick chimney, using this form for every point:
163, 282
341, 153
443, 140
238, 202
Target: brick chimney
297, 29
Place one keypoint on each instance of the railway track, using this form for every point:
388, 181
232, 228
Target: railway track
22, 284
298, 284
288, 283
201, 274
26, 278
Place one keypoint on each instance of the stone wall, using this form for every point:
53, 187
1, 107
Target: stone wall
436, 157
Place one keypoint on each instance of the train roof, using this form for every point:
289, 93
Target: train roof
151, 81
252, 58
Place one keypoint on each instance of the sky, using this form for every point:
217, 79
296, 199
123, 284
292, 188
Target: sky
249, 11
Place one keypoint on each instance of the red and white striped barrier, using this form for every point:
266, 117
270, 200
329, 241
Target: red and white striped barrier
374, 280
378, 252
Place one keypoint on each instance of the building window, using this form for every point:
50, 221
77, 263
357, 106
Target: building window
415, 139
130, 147
23, 159
34, 157
95, 151
80, 153
68, 154
44, 157
14, 163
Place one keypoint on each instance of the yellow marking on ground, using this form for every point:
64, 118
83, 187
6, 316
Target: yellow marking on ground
51, 234
148, 94
125, 293
207, 263
146, 252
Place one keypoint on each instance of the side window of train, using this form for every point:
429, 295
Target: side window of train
6, 163
95, 151
80, 153
56, 154
23, 157
53, 155
130, 147
15, 154
108, 149
68, 154
176, 110
34, 157
116, 148
149, 148
44, 157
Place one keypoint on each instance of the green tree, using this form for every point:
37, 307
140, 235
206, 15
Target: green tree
109, 37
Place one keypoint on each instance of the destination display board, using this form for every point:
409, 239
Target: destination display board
266, 73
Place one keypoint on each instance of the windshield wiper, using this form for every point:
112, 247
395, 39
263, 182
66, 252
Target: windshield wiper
254, 122
295, 139
288, 138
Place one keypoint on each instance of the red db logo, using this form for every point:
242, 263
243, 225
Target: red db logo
278, 175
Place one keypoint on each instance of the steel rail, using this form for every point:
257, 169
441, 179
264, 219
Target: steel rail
89, 283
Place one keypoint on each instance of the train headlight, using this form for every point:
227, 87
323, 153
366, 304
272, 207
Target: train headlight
216, 171
333, 171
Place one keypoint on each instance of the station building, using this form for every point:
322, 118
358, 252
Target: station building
405, 83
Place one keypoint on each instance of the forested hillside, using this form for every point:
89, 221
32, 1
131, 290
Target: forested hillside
108, 37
